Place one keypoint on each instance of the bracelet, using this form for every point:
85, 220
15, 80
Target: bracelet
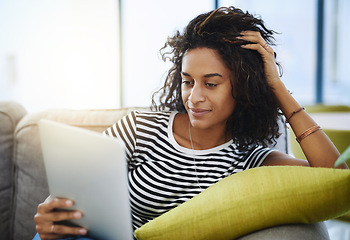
300, 109
308, 132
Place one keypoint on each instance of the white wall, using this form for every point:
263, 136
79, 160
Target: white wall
146, 26
59, 53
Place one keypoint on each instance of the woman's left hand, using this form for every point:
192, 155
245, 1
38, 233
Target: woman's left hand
267, 54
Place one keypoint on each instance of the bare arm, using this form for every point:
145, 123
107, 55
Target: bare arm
317, 147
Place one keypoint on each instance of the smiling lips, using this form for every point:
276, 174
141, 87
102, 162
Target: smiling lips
196, 112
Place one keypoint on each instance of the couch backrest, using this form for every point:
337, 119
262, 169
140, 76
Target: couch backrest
29, 184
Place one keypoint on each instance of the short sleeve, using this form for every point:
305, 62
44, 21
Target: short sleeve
125, 129
256, 156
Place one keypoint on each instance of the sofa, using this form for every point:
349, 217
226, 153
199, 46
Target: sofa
23, 183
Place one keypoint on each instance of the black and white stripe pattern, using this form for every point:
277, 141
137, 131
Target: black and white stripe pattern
163, 174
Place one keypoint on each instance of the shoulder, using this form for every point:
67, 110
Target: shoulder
254, 156
276, 158
152, 117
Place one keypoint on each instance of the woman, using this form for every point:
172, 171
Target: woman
218, 111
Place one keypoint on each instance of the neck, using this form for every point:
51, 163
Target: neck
205, 139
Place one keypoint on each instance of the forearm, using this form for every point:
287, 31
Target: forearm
318, 149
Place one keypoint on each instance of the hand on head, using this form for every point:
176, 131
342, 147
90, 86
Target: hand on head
259, 44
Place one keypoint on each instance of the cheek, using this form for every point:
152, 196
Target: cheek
228, 101
185, 94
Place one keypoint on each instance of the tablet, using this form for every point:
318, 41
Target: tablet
90, 169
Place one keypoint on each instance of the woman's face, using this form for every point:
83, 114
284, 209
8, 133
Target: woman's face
206, 88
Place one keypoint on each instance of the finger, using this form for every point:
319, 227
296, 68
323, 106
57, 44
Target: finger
66, 230
258, 48
62, 230
53, 203
58, 216
252, 36
263, 46
255, 37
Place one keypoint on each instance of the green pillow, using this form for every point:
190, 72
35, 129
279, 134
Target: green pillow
255, 199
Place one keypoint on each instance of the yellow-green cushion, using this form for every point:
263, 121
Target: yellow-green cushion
255, 199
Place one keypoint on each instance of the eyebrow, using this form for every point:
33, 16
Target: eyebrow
209, 75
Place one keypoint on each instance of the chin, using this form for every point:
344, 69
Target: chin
200, 124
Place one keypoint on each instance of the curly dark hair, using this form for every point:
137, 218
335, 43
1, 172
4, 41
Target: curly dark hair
254, 119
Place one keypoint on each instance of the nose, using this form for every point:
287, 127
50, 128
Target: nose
197, 94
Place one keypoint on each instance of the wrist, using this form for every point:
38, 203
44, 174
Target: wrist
278, 87
286, 101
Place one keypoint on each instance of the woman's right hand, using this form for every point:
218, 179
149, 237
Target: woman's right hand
47, 215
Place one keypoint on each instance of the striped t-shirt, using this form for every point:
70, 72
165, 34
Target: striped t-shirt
163, 174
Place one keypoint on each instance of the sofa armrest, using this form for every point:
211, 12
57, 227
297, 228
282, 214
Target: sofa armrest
10, 114
316, 231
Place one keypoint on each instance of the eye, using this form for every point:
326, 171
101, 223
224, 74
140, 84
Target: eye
186, 82
211, 85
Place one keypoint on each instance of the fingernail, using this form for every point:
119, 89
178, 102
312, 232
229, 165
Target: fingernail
77, 215
82, 231
69, 203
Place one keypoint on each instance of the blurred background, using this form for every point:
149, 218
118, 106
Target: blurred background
101, 54
85, 54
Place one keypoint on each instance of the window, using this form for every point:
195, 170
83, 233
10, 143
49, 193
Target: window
336, 52
297, 23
